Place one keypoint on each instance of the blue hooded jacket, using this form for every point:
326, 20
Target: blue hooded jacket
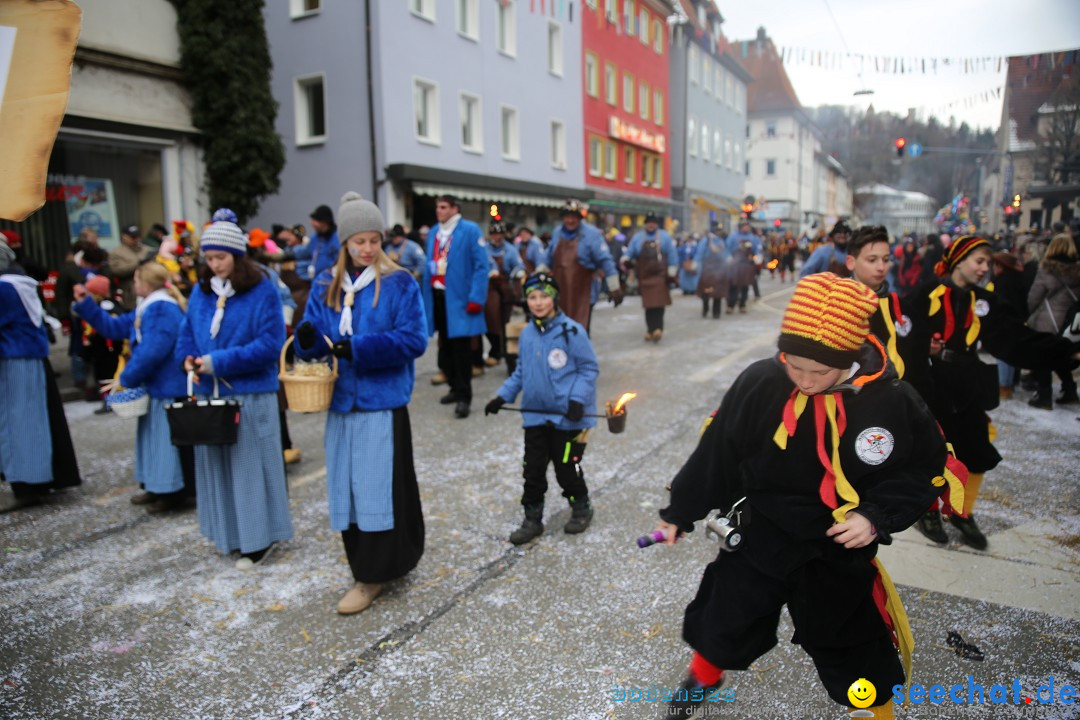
466, 280
152, 363
556, 365
386, 340
246, 349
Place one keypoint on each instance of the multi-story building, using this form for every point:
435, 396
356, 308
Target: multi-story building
901, 212
708, 98
126, 152
478, 99
625, 99
786, 172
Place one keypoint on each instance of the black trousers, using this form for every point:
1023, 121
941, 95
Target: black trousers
716, 303
455, 354
1043, 380
757, 273
544, 444
737, 295
654, 319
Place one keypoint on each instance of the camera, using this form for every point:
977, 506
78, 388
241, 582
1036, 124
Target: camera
728, 528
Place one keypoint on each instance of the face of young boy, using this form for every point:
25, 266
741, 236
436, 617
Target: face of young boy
541, 304
972, 269
871, 265
810, 376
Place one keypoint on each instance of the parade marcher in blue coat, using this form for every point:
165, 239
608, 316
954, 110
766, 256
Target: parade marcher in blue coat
832, 256
455, 287
405, 252
39, 456
151, 329
321, 251
747, 245
656, 263
577, 251
232, 334
505, 275
556, 376
531, 250
688, 268
714, 276
370, 310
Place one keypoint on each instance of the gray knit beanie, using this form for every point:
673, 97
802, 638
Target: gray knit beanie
357, 215
7, 256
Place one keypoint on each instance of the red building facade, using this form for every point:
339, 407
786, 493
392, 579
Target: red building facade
625, 86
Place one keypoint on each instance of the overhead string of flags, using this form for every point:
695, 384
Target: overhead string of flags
908, 65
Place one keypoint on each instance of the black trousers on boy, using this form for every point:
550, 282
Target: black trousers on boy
544, 444
455, 354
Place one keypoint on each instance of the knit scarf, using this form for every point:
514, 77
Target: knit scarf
27, 289
446, 229
224, 290
160, 295
350, 288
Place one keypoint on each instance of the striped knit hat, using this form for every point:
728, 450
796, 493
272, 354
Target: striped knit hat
224, 235
827, 319
960, 248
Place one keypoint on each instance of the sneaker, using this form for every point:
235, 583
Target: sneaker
438, 378
1040, 401
688, 697
930, 526
292, 456
461, 410
972, 534
249, 560
580, 518
359, 598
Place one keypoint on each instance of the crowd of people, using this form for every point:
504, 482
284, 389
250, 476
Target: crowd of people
207, 314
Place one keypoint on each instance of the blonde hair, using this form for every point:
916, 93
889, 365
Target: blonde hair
383, 266
157, 277
1062, 246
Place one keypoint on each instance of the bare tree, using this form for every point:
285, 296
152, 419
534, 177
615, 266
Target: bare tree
1058, 155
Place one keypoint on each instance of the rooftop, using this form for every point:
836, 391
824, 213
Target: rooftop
771, 90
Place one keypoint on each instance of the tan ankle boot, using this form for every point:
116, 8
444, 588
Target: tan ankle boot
359, 597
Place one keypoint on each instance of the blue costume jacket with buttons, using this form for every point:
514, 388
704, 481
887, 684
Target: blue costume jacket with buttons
821, 258
466, 280
386, 340
152, 363
592, 253
320, 251
19, 338
556, 365
737, 238
245, 351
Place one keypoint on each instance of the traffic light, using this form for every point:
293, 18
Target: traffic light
1016, 202
494, 212
748, 206
777, 222
901, 143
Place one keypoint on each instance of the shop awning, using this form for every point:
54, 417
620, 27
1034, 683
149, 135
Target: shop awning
488, 195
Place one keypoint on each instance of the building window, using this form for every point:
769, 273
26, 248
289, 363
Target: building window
692, 60
652, 172
658, 107
426, 110
628, 17
591, 4
423, 8
310, 102
748, 130
558, 145
747, 168
717, 144
628, 92
727, 155
770, 168
643, 100
691, 136
611, 84
738, 157
472, 132
706, 71
468, 18
591, 80
704, 141
505, 28
658, 171
646, 170
643, 26
629, 165
609, 10
304, 8
611, 160
596, 158
658, 37
729, 92
511, 136
770, 129
554, 48
740, 97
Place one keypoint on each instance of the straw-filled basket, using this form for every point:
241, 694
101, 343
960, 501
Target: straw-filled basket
131, 403
306, 391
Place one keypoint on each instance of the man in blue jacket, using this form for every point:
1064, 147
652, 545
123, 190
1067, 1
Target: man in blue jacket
405, 252
455, 287
832, 256
737, 241
321, 252
655, 260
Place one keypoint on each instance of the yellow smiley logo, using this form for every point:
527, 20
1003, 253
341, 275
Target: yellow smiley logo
862, 693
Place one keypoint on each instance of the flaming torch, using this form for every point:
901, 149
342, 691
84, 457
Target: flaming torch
616, 414
773, 264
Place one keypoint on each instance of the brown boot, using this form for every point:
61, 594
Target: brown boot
359, 598
143, 498
438, 378
1005, 392
291, 455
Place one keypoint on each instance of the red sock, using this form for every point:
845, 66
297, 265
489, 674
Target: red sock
704, 671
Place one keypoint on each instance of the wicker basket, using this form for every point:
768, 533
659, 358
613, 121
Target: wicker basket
307, 394
131, 403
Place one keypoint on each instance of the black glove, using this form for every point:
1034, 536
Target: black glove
343, 349
305, 335
617, 297
575, 411
494, 406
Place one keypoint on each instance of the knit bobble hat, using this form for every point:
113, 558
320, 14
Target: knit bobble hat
224, 214
224, 235
541, 281
357, 215
827, 320
958, 249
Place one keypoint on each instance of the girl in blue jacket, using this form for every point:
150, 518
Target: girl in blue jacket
370, 310
151, 331
556, 374
232, 333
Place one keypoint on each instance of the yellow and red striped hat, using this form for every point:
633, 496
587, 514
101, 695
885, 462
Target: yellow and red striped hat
828, 319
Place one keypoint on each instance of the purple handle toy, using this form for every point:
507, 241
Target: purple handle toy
656, 536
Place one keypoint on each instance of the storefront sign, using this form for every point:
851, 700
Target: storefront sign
630, 133
90, 204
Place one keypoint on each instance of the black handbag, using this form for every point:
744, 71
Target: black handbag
203, 422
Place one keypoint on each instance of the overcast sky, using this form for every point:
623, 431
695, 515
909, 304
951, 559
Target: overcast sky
908, 28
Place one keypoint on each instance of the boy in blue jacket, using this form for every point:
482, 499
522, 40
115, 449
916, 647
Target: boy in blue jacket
556, 374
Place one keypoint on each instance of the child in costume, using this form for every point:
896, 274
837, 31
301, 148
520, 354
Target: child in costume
556, 375
830, 455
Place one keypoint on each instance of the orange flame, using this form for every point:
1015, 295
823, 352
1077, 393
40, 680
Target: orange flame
773, 264
626, 397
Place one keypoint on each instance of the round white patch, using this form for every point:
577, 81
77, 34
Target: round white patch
903, 326
557, 359
982, 308
874, 445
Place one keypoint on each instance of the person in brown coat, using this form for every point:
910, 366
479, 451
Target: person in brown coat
124, 260
1055, 290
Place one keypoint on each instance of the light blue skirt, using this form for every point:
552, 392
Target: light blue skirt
157, 461
243, 500
25, 439
360, 470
